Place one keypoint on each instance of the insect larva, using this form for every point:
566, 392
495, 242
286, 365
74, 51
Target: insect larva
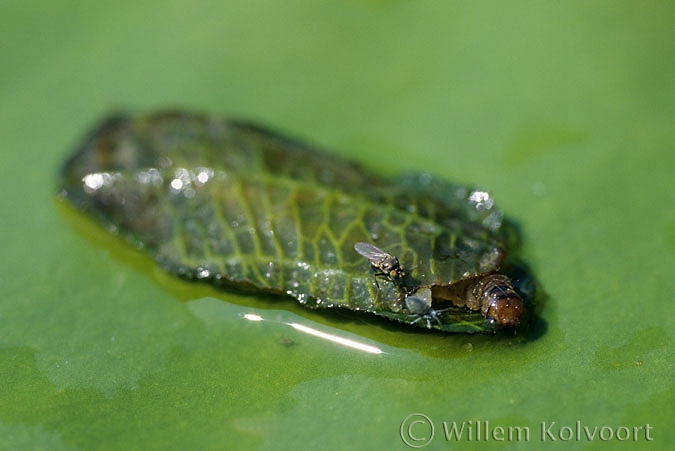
492, 295
497, 300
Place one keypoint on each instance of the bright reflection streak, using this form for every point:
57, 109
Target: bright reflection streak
326, 336
252, 317
335, 339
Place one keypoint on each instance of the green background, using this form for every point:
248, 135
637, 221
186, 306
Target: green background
563, 110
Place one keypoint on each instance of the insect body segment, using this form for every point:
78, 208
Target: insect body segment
383, 263
497, 300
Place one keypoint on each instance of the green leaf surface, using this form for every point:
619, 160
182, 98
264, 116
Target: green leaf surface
563, 112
